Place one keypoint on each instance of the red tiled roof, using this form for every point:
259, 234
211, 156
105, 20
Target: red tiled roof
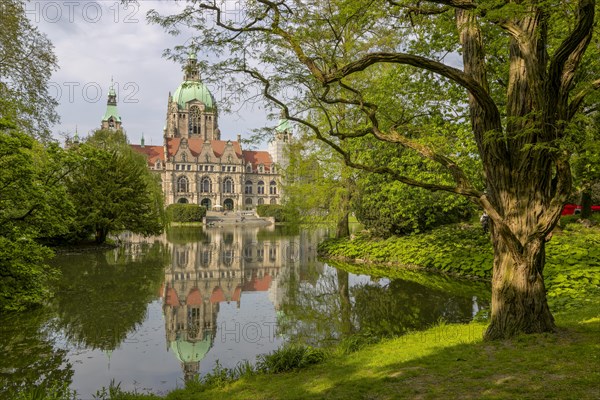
195, 146
194, 298
217, 295
172, 298
258, 157
237, 293
258, 285
153, 153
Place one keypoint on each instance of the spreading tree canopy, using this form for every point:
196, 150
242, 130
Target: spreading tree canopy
519, 72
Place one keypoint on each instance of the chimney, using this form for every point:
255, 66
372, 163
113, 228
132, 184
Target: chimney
239, 139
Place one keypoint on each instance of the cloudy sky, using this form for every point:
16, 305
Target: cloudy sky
99, 40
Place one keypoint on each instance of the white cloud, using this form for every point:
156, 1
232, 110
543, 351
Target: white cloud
97, 40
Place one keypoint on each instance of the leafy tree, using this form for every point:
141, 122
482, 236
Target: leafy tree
33, 205
113, 190
318, 186
526, 69
26, 63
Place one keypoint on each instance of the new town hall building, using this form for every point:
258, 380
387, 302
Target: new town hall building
195, 165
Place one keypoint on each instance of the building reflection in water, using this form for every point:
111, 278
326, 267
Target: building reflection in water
216, 268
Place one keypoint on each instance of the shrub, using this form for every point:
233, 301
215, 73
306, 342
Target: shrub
271, 210
289, 358
185, 213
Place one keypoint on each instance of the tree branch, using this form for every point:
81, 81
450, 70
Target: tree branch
570, 45
579, 97
463, 4
475, 89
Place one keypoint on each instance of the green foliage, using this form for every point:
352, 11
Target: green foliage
27, 62
272, 210
458, 248
25, 275
33, 205
113, 190
289, 358
393, 208
185, 213
317, 184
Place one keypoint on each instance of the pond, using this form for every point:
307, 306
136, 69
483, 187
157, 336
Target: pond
157, 311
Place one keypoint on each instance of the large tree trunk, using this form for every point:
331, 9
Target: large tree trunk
518, 293
343, 228
526, 183
101, 234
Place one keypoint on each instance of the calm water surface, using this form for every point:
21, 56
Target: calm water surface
158, 311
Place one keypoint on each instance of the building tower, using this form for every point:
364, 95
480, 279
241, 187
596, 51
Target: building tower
192, 110
111, 119
283, 135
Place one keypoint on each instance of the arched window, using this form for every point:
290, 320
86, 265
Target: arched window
249, 168
273, 200
182, 257
248, 201
261, 169
273, 187
248, 187
183, 184
228, 185
206, 185
261, 187
194, 121
206, 203
261, 201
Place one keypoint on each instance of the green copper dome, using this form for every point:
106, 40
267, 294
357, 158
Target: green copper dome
283, 125
192, 90
187, 351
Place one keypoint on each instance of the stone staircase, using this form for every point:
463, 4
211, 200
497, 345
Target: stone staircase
219, 218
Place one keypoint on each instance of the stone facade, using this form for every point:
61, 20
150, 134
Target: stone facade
196, 166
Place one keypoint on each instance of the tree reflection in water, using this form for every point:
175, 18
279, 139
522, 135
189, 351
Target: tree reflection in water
336, 304
30, 359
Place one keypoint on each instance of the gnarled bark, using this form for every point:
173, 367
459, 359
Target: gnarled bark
518, 293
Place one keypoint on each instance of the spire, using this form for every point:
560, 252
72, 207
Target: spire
76, 137
112, 95
191, 69
111, 119
142, 141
